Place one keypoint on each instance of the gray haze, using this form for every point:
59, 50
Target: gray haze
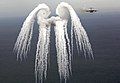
14, 8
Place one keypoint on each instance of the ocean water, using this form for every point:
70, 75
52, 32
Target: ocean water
104, 33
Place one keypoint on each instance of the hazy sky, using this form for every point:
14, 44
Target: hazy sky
23, 7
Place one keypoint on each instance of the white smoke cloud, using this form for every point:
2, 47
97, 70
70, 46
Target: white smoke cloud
64, 45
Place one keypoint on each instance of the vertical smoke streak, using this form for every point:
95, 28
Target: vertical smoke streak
68, 44
62, 54
71, 38
42, 52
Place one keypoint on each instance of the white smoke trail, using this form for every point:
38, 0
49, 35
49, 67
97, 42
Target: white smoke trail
81, 37
68, 45
64, 10
42, 45
42, 51
62, 54
23, 42
64, 46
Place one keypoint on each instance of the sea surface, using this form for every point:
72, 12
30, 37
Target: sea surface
104, 33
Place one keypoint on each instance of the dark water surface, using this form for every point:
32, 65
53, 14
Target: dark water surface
104, 34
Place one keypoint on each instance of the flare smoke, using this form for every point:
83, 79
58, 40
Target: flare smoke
64, 44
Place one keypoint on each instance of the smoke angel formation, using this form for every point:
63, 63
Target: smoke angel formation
64, 44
